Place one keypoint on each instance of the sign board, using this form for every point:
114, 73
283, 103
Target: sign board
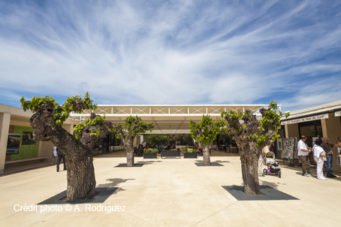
305, 119
289, 150
338, 114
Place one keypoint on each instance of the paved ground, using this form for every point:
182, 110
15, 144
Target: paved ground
169, 192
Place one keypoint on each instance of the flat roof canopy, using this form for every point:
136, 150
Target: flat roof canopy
313, 113
167, 119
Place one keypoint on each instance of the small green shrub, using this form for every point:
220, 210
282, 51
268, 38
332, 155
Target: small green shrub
151, 150
190, 150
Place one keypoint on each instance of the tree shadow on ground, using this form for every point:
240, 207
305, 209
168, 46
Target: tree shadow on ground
312, 174
138, 164
148, 162
125, 165
220, 161
103, 192
113, 182
270, 184
201, 164
267, 193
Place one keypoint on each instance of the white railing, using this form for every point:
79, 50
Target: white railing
167, 110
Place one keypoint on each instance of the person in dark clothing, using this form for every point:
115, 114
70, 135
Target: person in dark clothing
140, 150
327, 147
60, 157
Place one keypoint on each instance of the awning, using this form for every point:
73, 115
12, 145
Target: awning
338, 113
305, 119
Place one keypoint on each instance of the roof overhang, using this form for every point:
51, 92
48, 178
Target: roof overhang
313, 113
338, 113
19, 115
167, 119
116, 112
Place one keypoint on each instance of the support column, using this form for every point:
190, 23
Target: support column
331, 128
141, 139
324, 128
286, 131
5, 119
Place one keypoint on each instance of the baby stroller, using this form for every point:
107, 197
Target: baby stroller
271, 165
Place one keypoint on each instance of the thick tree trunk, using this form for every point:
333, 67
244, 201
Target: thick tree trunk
250, 175
249, 165
81, 182
130, 157
206, 156
129, 146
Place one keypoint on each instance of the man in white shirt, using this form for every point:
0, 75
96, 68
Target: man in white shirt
303, 152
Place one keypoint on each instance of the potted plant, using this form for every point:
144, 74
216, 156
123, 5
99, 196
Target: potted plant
190, 153
150, 153
170, 153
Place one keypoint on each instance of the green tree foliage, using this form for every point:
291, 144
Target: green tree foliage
245, 126
132, 127
153, 140
60, 112
206, 130
96, 125
128, 131
180, 139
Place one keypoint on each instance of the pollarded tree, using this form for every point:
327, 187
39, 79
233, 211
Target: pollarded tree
205, 132
47, 123
94, 132
251, 135
128, 132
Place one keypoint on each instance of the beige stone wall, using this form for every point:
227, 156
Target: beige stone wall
46, 147
5, 119
332, 129
45, 150
291, 130
68, 127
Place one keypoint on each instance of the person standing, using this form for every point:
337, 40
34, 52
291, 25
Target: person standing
55, 153
60, 156
327, 147
320, 157
261, 160
338, 148
303, 152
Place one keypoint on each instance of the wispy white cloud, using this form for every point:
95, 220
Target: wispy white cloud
172, 52
314, 93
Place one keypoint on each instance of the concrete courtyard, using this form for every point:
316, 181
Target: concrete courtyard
169, 192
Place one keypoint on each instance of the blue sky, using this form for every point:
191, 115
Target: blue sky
172, 52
